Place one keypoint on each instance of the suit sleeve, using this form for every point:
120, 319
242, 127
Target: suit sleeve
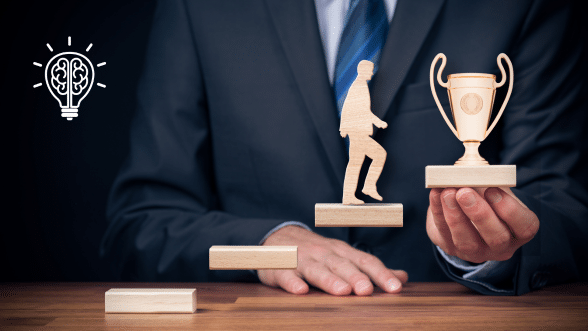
544, 133
163, 212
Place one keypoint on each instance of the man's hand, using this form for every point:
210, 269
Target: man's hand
343, 134
479, 227
329, 264
382, 124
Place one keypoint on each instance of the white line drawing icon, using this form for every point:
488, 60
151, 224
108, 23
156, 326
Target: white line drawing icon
69, 76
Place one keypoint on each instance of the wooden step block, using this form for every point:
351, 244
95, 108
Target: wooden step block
471, 176
366, 215
253, 257
150, 300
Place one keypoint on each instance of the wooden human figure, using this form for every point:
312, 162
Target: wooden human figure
357, 122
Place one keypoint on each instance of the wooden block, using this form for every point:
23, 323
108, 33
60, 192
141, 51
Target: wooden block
471, 176
150, 300
253, 257
366, 215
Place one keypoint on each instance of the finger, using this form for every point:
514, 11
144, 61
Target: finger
290, 281
492, 230
286, 279
434, 234
401, 275
465, 237
509, 192
343, 268
443, 235
267, 277
318, 275
385, 278
523, 223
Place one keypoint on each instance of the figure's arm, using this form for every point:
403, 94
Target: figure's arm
377, 121
544, 130
162, 211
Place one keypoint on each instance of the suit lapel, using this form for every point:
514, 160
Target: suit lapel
408, 30
297, 28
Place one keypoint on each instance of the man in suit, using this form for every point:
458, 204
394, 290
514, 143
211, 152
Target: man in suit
236, 138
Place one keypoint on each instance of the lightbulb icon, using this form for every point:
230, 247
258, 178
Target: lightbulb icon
69, 76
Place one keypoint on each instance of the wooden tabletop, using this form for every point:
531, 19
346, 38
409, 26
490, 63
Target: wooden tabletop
239, 306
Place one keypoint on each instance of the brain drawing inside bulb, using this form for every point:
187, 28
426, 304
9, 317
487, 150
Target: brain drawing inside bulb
69, 77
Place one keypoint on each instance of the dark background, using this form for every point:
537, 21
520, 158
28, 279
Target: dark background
59, 172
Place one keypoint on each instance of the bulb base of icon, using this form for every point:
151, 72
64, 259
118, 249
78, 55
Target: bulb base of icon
69, 113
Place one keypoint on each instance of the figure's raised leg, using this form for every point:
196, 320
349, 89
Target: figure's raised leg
378, 155
356, 157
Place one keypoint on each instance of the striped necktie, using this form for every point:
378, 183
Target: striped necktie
362, 39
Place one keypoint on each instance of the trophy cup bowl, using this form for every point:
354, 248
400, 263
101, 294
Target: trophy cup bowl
471, 97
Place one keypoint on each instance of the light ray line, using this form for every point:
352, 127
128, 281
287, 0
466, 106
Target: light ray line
101, 64
68, 41
101, 85
88, 49
38, 64
37, 85
49, 46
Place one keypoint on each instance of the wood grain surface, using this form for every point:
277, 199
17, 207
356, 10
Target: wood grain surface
366, 215
471, 176
150, 300
252, 257
357, 124
246, 306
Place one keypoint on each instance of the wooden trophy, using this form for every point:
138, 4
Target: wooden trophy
357, 121
471, 97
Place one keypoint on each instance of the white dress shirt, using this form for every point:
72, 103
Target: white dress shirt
332, 16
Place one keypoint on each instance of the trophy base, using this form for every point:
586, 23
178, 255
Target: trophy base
471, 157
471, 176
365, 215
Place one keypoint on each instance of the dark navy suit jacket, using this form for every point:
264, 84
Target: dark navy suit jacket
237, 131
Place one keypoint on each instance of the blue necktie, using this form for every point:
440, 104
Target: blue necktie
362, 39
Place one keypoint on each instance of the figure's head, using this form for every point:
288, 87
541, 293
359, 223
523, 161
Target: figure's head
365, 70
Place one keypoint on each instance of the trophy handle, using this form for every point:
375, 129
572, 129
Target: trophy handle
502, 81
446, 85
